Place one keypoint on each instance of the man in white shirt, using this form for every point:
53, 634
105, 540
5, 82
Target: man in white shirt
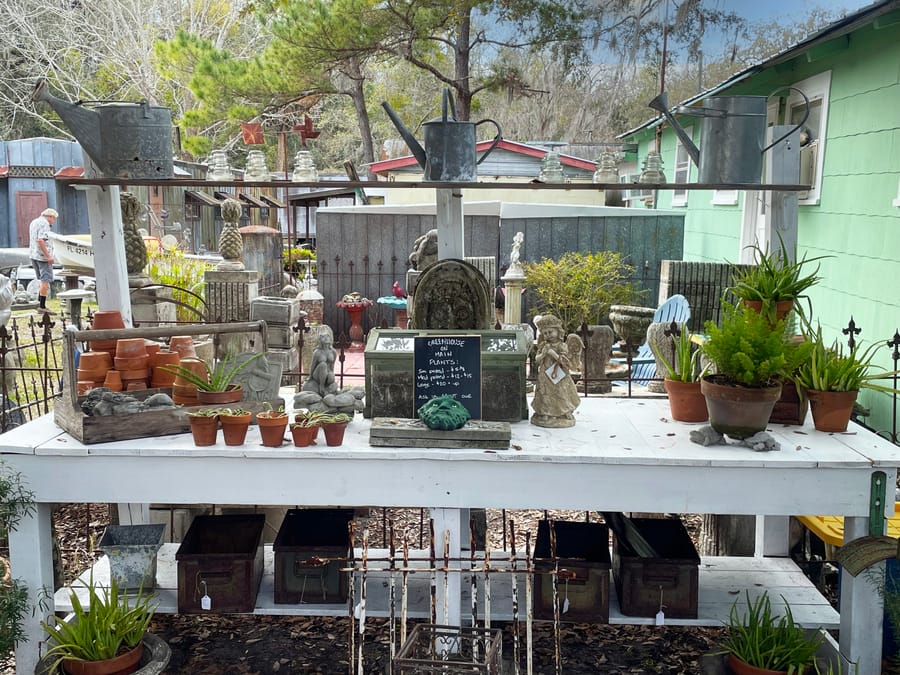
41, 254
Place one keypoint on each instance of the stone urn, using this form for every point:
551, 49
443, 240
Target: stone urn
630, 324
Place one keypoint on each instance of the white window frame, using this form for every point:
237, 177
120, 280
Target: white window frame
896, 202
683, 166
816, 88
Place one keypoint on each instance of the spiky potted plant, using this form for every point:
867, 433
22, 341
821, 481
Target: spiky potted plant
682, 378
334, 425
218, 387
305, 427
204, 426
272, 424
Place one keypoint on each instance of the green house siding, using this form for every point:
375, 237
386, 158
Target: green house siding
855, 220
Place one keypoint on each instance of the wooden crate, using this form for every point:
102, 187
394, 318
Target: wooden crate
67, 411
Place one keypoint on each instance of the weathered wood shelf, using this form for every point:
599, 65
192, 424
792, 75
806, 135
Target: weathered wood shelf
723, 580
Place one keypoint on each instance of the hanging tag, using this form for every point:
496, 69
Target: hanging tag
357, 611
660, 618
205, 600
554, 373
566, 600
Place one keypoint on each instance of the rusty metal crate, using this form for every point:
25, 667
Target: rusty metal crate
450, 650
310, 549
582, 553
221, 557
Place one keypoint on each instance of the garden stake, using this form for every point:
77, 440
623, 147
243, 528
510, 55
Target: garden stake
431, 559
392, 629
362, 599
474, 580
554, 583
404, 587
515, 595
351, 595
529, 644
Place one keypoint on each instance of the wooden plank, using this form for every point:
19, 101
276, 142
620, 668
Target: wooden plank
409, 428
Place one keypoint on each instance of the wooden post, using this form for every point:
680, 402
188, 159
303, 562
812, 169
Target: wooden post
450, 224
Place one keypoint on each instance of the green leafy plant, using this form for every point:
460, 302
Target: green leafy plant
334, 418
762, 639
15, 502
172, 268
579, 287
748, 350
271, 413
773, 278
112, 623
219, 376
309, 418
685, 367
205, 412
233, 412
828, 368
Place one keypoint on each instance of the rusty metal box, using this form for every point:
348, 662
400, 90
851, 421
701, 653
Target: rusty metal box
670, 579
221, 558
582, 552
310, 549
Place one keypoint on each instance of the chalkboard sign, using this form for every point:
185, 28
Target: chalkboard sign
448, 365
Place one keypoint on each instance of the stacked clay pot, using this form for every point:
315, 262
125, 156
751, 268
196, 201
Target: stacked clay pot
184, 345
160, 377
92, 369
133, 363
104, 320
183, 392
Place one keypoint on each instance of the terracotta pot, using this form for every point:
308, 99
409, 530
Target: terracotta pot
304, 436
739, 667
134, 385
183, 344
738, 411
97, 375
686, 401
108, 346
782, 307
204, 430
271, 429
161, 378
152, 347
233, 394
234, 428
132, 362
831, 410
121, 665
127, 348
185, 400
113, 380
82, 387
139, 374
165, 357
95, 361
334, 432
107, 318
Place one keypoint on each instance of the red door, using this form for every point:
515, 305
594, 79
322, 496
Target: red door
29, 205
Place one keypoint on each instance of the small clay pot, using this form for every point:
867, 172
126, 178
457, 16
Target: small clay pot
107, 318
139, 374
82, 387
334, 432
234, 428
130, 348
96, 375
131, 362
94, 360
271, 429
165, 357
113, 380
152, 347
204, 430
124, 663
233, 394
304, 436
183, 344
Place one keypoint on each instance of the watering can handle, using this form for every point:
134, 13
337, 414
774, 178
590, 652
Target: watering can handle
798, 126
494, 144
446, 101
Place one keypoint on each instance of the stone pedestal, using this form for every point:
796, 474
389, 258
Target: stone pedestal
513, 282
662, 344
228, 296
152, 306
313, 303
597, 350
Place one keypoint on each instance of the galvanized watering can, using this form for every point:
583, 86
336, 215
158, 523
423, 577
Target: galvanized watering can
449, 153
125, 140
733, 130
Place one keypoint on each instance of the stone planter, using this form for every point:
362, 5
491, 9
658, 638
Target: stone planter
630, 323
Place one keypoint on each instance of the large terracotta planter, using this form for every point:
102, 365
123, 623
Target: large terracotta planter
831, 410
271, 429
738, 411
739, 667
124, 664
204, 430
686, 401
234, 428
233, 394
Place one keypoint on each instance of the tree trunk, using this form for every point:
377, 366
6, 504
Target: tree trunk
728, 535
461, 70
357, 94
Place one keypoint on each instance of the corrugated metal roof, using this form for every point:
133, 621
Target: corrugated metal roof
839, 28
252, 201
271, 201
204, 197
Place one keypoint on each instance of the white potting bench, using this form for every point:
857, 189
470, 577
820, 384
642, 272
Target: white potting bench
622, 455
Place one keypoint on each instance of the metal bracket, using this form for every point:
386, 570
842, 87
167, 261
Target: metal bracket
876, 503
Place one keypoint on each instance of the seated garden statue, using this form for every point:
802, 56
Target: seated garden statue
321, 369
555, 395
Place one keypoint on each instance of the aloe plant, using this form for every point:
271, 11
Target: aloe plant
828, 368
685, 367
111, 621
218, 376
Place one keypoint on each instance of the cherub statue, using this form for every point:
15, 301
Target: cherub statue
515, 266
555, 395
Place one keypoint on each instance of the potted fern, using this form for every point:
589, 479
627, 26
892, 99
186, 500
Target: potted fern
831, 379
682, 378
106, 635
752, 357
217, 388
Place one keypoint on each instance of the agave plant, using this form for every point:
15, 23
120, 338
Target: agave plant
218, 376
685, 367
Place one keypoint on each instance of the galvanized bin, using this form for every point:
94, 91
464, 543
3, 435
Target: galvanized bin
670, 580
582, 553
221, 558
450, 650
310, 549
132, 551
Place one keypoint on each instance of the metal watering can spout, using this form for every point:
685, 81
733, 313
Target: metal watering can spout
417, 150
661, 104
83, 123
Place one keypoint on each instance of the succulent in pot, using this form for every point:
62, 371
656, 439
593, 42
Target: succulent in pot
333, 425
219, 378
111, 626
682, 378
272, 425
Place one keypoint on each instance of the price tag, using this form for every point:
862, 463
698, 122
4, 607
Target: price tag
206, 602
565, 607
660, 618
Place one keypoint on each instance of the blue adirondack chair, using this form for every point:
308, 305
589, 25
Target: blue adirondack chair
643, 365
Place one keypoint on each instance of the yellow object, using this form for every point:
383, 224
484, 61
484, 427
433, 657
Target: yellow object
830, 529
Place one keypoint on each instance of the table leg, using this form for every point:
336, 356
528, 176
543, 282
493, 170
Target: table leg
31, 555
862, 608
772, 536
134, 514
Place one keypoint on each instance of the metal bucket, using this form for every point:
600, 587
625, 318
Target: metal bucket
733, 135
136, 141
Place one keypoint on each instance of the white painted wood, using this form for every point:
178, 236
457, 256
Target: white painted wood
108, 240
772, 535
622, 455
449, 217
862, 607
31, 555
448, 584
723, 581
134, 514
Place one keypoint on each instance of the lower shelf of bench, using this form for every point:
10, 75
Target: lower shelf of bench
723, 580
